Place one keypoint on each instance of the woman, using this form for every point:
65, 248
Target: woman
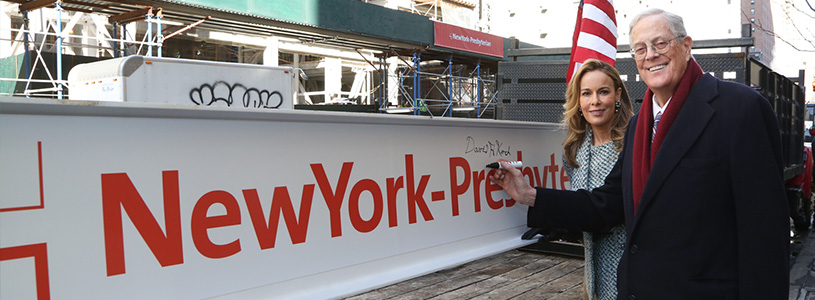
597, 111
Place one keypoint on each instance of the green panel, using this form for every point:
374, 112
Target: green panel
301, 11
350, 16
360, 17
10, 68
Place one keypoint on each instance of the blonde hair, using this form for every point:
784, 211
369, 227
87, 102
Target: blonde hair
578, 126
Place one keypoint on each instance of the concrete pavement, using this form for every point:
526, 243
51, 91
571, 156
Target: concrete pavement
802, 266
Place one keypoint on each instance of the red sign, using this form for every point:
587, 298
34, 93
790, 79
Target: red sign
459, 38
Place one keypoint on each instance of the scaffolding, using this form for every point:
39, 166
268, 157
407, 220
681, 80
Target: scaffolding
450, 88
410, 81
56, 37
137, 30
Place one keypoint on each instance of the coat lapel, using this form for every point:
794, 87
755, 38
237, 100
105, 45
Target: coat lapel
690, 122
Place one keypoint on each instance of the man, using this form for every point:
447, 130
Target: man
703, 203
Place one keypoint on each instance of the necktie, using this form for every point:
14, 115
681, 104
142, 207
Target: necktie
656, 123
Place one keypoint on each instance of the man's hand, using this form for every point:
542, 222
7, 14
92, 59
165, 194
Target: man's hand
512, 181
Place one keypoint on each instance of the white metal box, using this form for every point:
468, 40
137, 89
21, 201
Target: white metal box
183, 81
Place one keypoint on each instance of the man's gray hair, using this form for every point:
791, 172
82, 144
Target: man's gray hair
675, 22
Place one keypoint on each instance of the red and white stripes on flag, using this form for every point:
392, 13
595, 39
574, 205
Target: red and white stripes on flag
595, 34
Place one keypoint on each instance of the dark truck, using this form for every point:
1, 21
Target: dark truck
787, 99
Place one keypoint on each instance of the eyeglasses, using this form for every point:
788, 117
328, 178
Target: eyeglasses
661, 46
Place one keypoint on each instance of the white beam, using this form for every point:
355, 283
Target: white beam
270, 54
68, 28
102, 34
393, 81
326, 51
89, 38
333, 78
289, 45
71, 23
6, 48
258, 41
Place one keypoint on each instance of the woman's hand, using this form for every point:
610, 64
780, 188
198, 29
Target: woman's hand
512, 181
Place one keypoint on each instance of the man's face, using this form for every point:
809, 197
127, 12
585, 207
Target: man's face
661, 72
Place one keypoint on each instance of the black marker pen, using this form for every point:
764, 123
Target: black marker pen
517, 164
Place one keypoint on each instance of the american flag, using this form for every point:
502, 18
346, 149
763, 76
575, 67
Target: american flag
595, 34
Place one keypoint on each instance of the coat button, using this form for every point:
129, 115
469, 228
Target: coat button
633, 249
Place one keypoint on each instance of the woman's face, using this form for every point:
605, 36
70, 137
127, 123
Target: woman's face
597, 99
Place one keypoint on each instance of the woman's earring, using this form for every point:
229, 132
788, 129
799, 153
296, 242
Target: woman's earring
617, 106
580, 111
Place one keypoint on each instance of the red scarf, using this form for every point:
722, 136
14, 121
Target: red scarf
644, 152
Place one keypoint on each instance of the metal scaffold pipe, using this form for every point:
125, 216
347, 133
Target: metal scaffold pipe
149, 34
25, 42
58, 5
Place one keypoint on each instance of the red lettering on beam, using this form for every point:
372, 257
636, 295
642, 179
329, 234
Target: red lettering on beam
553, 169
333, 198
200, 223
478, 177
415, 195
119, 193
563, 178
360, 224
266, 232
393, 186
455, 188
40, 254
489, 188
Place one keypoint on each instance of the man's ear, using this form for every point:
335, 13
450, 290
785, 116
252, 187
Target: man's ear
688, 43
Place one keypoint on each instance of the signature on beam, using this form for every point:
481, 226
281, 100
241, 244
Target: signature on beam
490, 148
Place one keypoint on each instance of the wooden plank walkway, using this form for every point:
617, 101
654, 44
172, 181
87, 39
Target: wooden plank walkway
513, 274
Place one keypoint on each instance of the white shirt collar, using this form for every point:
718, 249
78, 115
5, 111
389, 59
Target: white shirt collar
656, 107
